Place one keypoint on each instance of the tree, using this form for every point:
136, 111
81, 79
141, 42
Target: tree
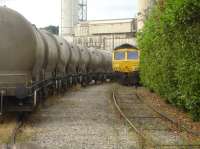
52, 29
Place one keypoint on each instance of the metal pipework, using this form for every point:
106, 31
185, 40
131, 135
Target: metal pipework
35, 98
2, 95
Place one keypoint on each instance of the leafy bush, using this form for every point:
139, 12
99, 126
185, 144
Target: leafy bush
170, 55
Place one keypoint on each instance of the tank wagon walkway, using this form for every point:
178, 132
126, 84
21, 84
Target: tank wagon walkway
82, 119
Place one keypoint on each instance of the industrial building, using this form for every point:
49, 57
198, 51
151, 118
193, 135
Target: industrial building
102, 34
105, 34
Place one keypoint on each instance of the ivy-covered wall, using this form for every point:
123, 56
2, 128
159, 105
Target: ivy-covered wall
170, 53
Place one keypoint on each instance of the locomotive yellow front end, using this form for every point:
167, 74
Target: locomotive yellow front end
125, 63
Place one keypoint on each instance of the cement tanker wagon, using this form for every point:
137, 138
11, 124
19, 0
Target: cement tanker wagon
22, 58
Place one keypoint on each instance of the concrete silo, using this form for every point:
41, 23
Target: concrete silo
142, 4
69, 18
144, 7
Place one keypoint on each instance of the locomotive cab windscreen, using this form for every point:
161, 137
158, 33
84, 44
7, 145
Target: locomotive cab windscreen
119, 55
125, 58
132, 55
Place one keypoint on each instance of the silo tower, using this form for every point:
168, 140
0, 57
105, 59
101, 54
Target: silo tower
144, 8
141, 15
69, 18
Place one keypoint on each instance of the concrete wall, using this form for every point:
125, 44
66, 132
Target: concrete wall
104, 28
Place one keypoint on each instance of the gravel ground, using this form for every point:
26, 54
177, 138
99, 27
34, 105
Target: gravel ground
82, 119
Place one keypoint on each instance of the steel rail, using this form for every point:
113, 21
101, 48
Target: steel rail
180, 126
140, 133
142, 137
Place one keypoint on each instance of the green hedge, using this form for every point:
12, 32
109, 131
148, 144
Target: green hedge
170, 53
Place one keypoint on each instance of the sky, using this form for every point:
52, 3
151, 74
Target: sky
47, 12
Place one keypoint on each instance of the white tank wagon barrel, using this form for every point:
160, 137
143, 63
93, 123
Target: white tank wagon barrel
35, 63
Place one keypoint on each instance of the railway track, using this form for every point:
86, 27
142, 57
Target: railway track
179, 125
154, 129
